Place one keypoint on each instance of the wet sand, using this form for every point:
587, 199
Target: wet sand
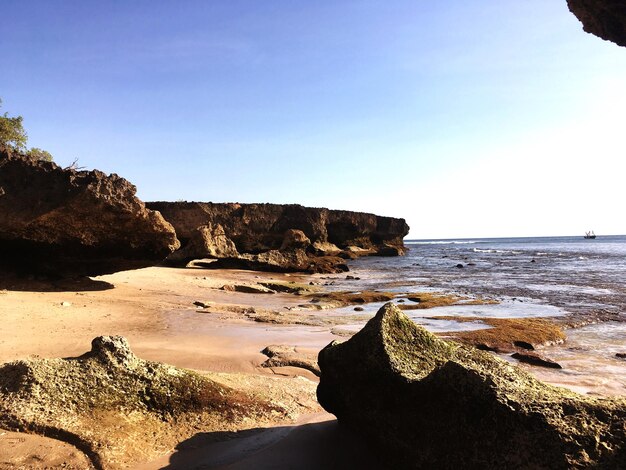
154, 308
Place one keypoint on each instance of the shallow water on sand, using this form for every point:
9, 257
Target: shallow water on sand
531, 277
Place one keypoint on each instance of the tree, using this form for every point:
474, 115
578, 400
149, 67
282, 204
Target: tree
13, 138
39, 154
12, 133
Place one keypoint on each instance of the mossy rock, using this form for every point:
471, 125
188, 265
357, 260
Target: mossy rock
429, 403
119, 409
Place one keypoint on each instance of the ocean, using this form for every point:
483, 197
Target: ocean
583, 281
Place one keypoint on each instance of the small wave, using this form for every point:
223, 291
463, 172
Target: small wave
511, 252
440, 242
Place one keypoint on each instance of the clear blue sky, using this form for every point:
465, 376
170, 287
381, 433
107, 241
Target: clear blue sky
468, 118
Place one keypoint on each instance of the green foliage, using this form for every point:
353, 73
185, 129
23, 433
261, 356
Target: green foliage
12, 133
13, 137
39, 154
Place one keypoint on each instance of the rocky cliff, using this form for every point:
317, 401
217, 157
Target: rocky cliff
428, 403
604, 18
68, 222
279, 237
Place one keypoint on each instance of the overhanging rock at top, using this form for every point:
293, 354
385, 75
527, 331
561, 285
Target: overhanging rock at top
603, 18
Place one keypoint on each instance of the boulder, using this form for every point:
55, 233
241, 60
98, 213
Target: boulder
295, 239
206, 241
290, 356
119, 409
65, 222
603, 18
280, 261
427, 403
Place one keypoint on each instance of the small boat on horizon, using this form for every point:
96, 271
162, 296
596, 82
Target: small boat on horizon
590, 235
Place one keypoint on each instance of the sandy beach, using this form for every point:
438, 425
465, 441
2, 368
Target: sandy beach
154, 309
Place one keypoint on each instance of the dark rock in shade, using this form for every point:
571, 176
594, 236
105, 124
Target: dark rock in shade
67, 222
460, 265
603, 18
535, 360
274, 237
523, 345
428, 403
620, 355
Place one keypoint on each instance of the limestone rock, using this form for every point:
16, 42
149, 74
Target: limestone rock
604, 18
428, 403
119, 409
206, 241
295, 239
256, 229
68, 222
281, 261
283, 356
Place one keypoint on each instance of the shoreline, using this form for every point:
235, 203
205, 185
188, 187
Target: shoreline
154, 309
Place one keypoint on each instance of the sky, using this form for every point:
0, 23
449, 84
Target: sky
467, 118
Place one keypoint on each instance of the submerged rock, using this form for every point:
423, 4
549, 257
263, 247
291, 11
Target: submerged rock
429, 403
66, 222
535, 359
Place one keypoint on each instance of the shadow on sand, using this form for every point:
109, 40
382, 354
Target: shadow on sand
323, 445
12, 282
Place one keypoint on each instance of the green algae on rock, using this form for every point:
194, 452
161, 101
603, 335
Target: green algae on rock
119, 409
429, 403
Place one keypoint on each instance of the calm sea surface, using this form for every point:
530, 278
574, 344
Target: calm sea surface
546, 276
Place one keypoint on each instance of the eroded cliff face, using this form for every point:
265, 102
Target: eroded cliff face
265, 235
604, 18
256, 228
68, 222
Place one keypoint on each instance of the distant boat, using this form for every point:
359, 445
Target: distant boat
590, 235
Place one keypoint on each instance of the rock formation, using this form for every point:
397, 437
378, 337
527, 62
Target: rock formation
284, 237
119, 409
58, 221
604, 18
428, 403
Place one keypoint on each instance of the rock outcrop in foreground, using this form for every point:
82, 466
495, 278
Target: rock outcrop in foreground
119, 409
277, 237
68, 222
604, 18
428, 403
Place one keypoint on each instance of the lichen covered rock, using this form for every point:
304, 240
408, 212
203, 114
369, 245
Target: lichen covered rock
120, 409
428, 403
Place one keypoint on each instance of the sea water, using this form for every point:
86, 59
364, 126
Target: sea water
540, 277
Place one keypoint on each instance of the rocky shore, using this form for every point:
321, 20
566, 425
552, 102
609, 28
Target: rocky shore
428, 403
279, 238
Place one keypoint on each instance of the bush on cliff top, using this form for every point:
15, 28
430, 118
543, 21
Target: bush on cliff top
13, 137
